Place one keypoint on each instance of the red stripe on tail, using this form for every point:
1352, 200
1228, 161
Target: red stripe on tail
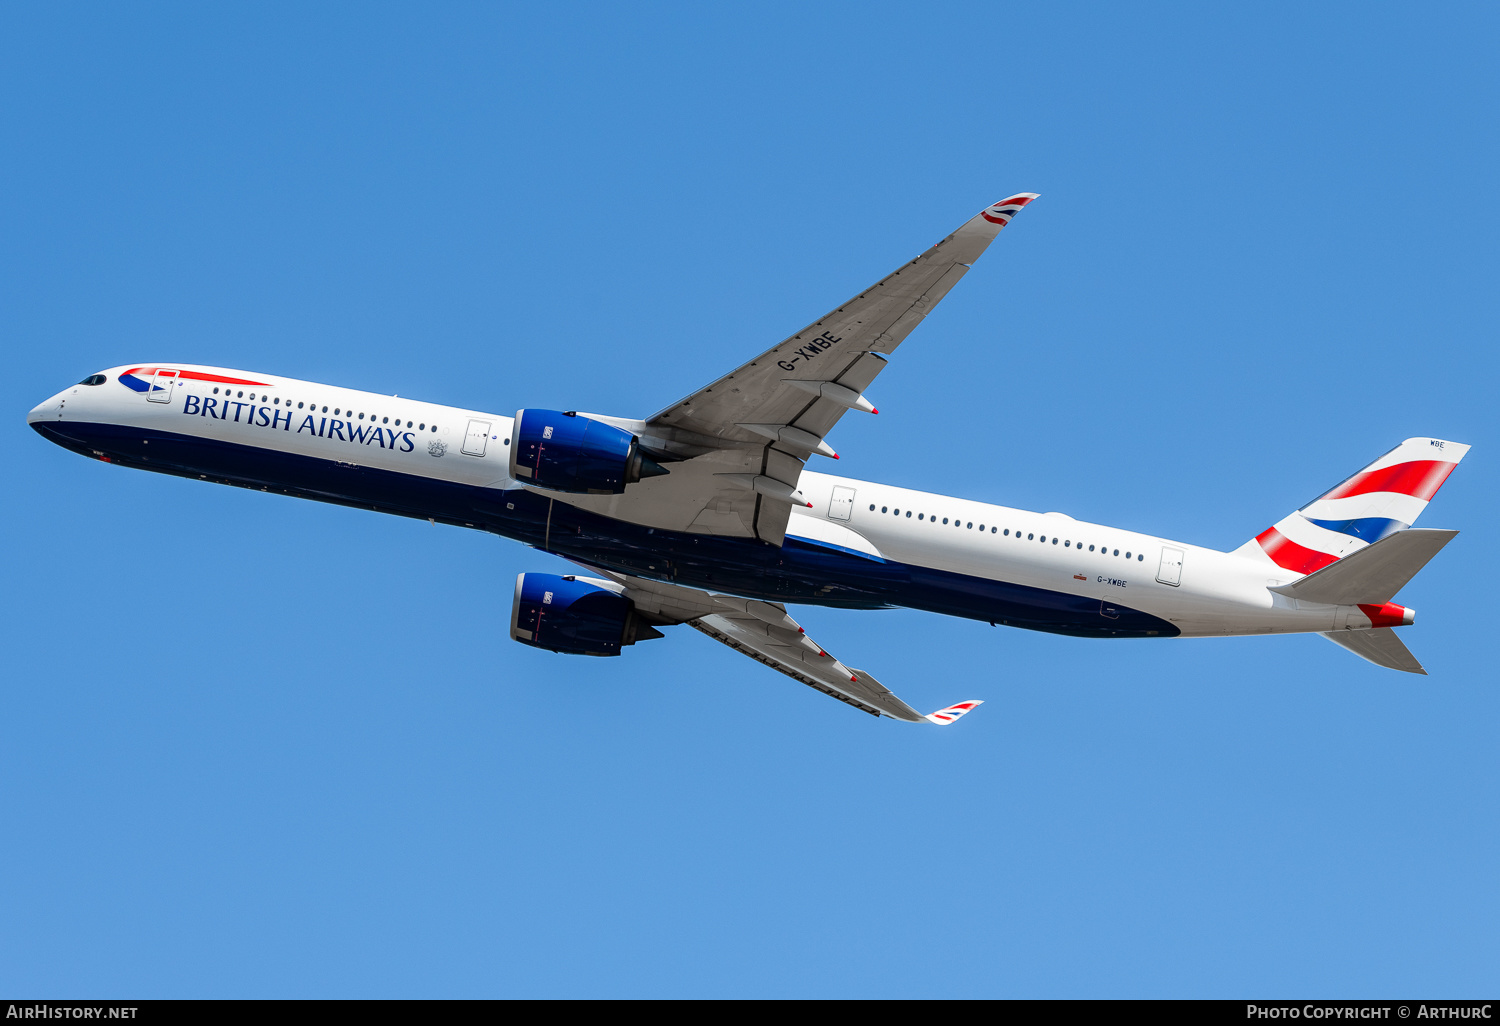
1288, 555
1419, 478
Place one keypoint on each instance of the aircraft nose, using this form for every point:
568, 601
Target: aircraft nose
49, 410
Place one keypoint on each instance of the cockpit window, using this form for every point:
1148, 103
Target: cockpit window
94, 379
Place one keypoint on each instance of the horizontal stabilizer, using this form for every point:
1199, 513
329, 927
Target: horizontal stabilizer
1380, 646
1373, 574
953, 712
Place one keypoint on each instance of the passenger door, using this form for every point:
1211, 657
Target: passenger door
163, 384
1170, 571
841, 506
476, 438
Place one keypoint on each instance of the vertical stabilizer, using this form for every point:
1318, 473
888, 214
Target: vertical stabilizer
1385, 497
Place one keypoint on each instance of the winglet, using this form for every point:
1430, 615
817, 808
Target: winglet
953, 712
1001, 213
981, 229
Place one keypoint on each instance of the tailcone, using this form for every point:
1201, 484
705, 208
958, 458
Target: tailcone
1389, 615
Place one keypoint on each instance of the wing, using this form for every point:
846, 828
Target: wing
766, 633
785, 386
742, 441
785, 647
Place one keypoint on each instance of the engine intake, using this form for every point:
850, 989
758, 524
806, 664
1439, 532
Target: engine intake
564, 452
574, 616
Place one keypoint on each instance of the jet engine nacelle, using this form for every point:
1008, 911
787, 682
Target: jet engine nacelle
564, 452
575, 616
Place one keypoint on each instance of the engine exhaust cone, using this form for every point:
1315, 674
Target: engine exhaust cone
650, 468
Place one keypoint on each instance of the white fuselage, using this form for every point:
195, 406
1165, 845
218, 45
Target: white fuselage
248, 428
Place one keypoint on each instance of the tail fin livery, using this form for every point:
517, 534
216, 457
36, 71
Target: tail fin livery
1385, 497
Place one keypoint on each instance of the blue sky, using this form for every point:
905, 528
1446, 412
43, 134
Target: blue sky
254, 746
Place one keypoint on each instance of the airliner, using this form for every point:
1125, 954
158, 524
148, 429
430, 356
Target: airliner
706, 514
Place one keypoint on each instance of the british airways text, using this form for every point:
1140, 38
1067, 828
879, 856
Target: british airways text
273, 418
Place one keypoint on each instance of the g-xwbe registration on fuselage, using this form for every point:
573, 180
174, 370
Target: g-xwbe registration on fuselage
705, 514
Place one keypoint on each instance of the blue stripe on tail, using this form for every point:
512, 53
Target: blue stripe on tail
1370, 529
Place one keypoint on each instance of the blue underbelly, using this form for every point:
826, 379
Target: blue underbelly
799, 571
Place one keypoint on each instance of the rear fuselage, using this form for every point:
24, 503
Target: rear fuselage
860, 545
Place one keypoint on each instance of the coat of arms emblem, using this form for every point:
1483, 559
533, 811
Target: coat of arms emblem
436, 448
